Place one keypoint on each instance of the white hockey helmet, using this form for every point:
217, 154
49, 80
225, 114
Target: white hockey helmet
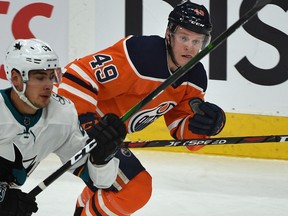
25, 55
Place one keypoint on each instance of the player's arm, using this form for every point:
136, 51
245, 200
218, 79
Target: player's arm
195, 120
12, 200
208, 119
186, 122
108, 132
83, 92
100, 168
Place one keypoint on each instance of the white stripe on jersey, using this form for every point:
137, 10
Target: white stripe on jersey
174, 124
102, 204
123, 177
78, 93
87, 211
182, 127
84, 75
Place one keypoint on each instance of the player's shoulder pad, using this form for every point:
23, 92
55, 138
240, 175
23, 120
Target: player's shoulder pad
62, 108
196, 75
61, 103
148, 55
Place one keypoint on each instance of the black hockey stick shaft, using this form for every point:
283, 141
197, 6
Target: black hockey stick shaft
208, 141
55, 175
184, 69
169, 81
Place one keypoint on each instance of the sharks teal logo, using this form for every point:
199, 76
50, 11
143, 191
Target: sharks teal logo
3, 189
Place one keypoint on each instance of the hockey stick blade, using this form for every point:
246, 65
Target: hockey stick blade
208, 49
169, 81
208, 141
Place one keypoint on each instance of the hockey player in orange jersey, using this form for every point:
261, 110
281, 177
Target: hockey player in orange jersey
114, 79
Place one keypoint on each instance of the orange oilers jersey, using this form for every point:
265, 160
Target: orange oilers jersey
115, 79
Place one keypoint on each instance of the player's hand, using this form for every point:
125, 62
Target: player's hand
14, 202
208, 119
109, 132
13, 172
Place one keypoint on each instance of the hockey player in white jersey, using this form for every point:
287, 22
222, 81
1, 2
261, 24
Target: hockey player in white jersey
35, 122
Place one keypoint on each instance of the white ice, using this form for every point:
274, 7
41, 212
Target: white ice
184, 185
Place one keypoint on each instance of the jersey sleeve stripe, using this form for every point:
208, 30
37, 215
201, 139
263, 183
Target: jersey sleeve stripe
84, 75
182, 128
74, 79
103, 205
78, 93
174, 124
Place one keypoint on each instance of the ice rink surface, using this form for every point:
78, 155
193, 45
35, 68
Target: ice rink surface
185, 185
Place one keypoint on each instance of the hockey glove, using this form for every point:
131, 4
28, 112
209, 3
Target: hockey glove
13, 172
109, 132
209, 119
14, 202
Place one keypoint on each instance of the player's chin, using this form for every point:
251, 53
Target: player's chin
185, 60
43, 102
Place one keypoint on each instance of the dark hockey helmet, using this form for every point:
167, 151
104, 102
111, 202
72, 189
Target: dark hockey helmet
190, 16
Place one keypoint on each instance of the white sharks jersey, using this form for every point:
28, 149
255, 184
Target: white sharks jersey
53, 129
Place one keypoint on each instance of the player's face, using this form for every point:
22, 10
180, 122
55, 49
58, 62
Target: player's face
39, 87
185, 44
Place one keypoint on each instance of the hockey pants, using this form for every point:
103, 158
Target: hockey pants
130, 192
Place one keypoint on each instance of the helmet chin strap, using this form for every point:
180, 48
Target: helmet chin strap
23, 97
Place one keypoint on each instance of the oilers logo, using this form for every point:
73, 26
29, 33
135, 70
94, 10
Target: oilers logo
145, 117
126, 152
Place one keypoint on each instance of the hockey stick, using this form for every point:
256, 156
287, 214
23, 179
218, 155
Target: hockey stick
55, 175
208, 141
169, 81
184, 69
